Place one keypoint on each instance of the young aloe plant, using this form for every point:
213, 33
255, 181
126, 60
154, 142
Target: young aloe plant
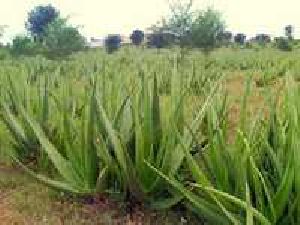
77, 162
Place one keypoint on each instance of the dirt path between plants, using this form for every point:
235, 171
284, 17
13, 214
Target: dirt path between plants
9, 216
25, 202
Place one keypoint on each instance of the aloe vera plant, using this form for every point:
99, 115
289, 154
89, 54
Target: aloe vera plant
252, 181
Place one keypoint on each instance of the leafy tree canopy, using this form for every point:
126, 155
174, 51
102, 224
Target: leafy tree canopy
206, 29
180, 20
62, 39
39, 18
193, 27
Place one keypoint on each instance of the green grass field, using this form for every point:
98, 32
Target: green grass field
151, 137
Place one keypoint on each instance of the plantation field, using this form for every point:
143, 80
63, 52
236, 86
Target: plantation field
151, 137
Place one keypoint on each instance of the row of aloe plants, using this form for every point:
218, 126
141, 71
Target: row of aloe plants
99, 135
126, 137
254, 180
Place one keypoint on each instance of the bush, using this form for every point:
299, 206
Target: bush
23, 45
283, 44
62, 39
4, 53
112, 43
249, 45
206, 29
161, 40
240, 38
137, 37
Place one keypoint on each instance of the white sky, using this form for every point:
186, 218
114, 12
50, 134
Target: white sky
100, 17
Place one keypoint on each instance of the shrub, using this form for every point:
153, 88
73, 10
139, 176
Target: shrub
225, 38
62, 39
206, 29
240, 38
23, 45
4, 53
112, 43
137, 37
161, 39
249, 45
283, 44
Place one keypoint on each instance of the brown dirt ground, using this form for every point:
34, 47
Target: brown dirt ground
8, 215
24, 202
256, 102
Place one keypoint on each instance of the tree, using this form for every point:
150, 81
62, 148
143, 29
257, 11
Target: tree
289, 32
191, 28
205, 30
195, 28
112, 43
39, 18
180, 21
52, 33
137, 37
240, 38
62, 39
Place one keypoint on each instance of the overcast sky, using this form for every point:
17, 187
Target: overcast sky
100, 17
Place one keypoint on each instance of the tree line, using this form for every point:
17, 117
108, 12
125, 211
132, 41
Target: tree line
187, 27
50, 34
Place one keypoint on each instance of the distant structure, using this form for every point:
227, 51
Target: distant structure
225, 38
161, 39
125, 40
263, 38
100, 42
137, 37
251, 40
96, 42
112, 42
289, 32
240, 38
